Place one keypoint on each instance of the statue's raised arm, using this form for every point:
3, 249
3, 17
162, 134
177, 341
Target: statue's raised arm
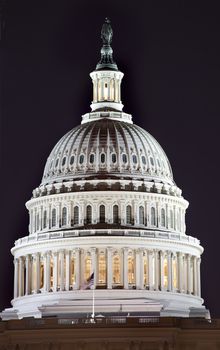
106, 32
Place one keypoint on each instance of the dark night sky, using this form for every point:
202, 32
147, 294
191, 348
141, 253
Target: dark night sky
170, 54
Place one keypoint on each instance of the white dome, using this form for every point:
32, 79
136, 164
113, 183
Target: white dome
107, 148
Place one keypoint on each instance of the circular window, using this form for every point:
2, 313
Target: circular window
124, 158
71, 160
103, 158
143, 160
63, 161
113, 158
134, 158
81, 159
92, 158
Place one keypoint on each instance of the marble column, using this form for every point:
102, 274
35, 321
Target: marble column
21, 276
137, 268
67, 287
156, 269
150, 269
37, 262
198, 261
141, 268
161, 256
16, 264
48, 284
28, 275
61, 255
195, 287
189, 287
94, 253
125, 265
77, 264
55, 270
169, 270
109, 268
180, 272
45, 271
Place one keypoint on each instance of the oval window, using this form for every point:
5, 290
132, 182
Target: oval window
71, 160
102, 158
134, 157
91, 158
81, 159
113, 158
63, 161
124, 158
143, 160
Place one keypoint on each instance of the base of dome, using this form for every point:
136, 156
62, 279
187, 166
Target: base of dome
107, 302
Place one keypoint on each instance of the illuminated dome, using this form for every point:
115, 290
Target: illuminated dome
107, 207
107, 148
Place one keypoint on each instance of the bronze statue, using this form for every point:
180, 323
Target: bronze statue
106, 32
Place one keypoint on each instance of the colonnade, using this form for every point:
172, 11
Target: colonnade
124, 268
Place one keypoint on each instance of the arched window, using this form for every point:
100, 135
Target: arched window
102, 213
92, 158
163, 219
128, 215
53, 217
45, 219
115, 214
153, 216
116, 269
171, 219
76, 215
131, 277
103, 158
141, 215
89, 214
114, 158
64, 216
102, 269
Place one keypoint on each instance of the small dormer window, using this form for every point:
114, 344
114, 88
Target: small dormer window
151, 161
92, 158
71, 160
134, 158
143, 160
113, 158
103, 158
63, 161
81, 159
124, 158
57, 161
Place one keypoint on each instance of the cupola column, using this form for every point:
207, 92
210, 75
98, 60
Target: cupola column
67, 287
28, 274
189, 287
21, 276
169, 273
198, 277
150, 269
55, 270
16, 263
109, 268
125, 258
77, 270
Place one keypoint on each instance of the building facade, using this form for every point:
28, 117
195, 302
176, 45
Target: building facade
107, 204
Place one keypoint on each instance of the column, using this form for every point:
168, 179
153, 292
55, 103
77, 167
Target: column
28, 275
55, 270
77, 264
61, 253
198, 260
169, 268
48, 257
94, 264
150, 269
45, 271
161, 270
125, 265
195, 290
141, 269
109, 268
21, 276
37, 259
137, 268
189, 287
180, 272
16, 277
156, 269
67, 270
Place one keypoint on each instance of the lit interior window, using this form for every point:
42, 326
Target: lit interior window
116, 269
131, 277
102, 269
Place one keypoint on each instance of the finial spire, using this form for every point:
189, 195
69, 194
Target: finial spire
106, 61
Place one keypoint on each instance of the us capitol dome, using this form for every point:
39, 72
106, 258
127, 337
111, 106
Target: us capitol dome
107, 207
